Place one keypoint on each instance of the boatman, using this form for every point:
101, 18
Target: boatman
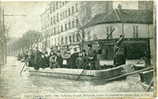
91, 57
119, 52
37, 59
52, 60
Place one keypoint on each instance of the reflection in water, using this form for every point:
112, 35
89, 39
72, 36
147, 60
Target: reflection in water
14, 85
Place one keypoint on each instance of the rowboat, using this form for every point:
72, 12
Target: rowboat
109, 74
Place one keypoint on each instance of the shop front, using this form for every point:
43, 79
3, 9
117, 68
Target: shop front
133, 49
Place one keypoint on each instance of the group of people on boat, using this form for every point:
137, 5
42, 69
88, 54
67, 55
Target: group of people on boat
56, 59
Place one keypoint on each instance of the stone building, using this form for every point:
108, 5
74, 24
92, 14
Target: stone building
62, 20
146, 5
135, 25
100, 23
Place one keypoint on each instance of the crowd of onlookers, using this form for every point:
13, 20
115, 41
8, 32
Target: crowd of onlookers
82, 59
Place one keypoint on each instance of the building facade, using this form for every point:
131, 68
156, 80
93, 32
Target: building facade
60, 23
135, 25
70, 23
62, 20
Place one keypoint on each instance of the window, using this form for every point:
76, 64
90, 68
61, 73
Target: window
69, 12
76, 8
61, 16
107, 52
77, 37
135, 31
77, 22
61, 28
54, 30
73, 24
58, 40
54, 19
62, 40
57, 17
70, 39
55, 41
69, 26
60, 5
63, 3
73, 9
65, 26
56, 5
53, 7
73, 39
66, 40
50, 10
137, 51
51, 20
57, 29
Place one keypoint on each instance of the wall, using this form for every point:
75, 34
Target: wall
99, 31
126, 4
145, 5
101, 7
143, 30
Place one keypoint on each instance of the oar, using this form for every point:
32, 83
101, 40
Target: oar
22, 68
150, 85
80, 75
126, 74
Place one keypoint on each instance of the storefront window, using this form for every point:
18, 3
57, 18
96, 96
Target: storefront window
136, 51
107, 52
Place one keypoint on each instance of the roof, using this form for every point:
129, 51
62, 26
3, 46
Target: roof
122, 16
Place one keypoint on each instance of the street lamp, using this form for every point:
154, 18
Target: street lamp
5, 34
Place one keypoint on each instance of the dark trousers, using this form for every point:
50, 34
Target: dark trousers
91, 64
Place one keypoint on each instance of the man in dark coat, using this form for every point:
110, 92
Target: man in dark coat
73, 59
59, 60
31, 58
45, 60
91, 57
85, 59
37, 59
53, 60
119, 50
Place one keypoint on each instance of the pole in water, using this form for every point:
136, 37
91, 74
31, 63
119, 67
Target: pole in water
80, 75
22, 69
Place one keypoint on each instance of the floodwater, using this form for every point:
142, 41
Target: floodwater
14, 86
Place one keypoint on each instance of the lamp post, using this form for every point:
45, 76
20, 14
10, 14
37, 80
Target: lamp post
5, 35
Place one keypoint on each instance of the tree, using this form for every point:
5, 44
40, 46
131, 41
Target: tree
27, 40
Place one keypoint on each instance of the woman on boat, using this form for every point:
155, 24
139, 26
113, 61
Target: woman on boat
45, 60
31, 58
85, 59
37, 59
66, 59
79, 61
52, 60
59, 60
91, 57
73, 58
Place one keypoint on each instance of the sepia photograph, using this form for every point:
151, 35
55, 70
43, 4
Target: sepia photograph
77, 49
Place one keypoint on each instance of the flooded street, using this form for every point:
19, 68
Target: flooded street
13, 85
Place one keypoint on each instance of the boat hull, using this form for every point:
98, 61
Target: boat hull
77, 74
